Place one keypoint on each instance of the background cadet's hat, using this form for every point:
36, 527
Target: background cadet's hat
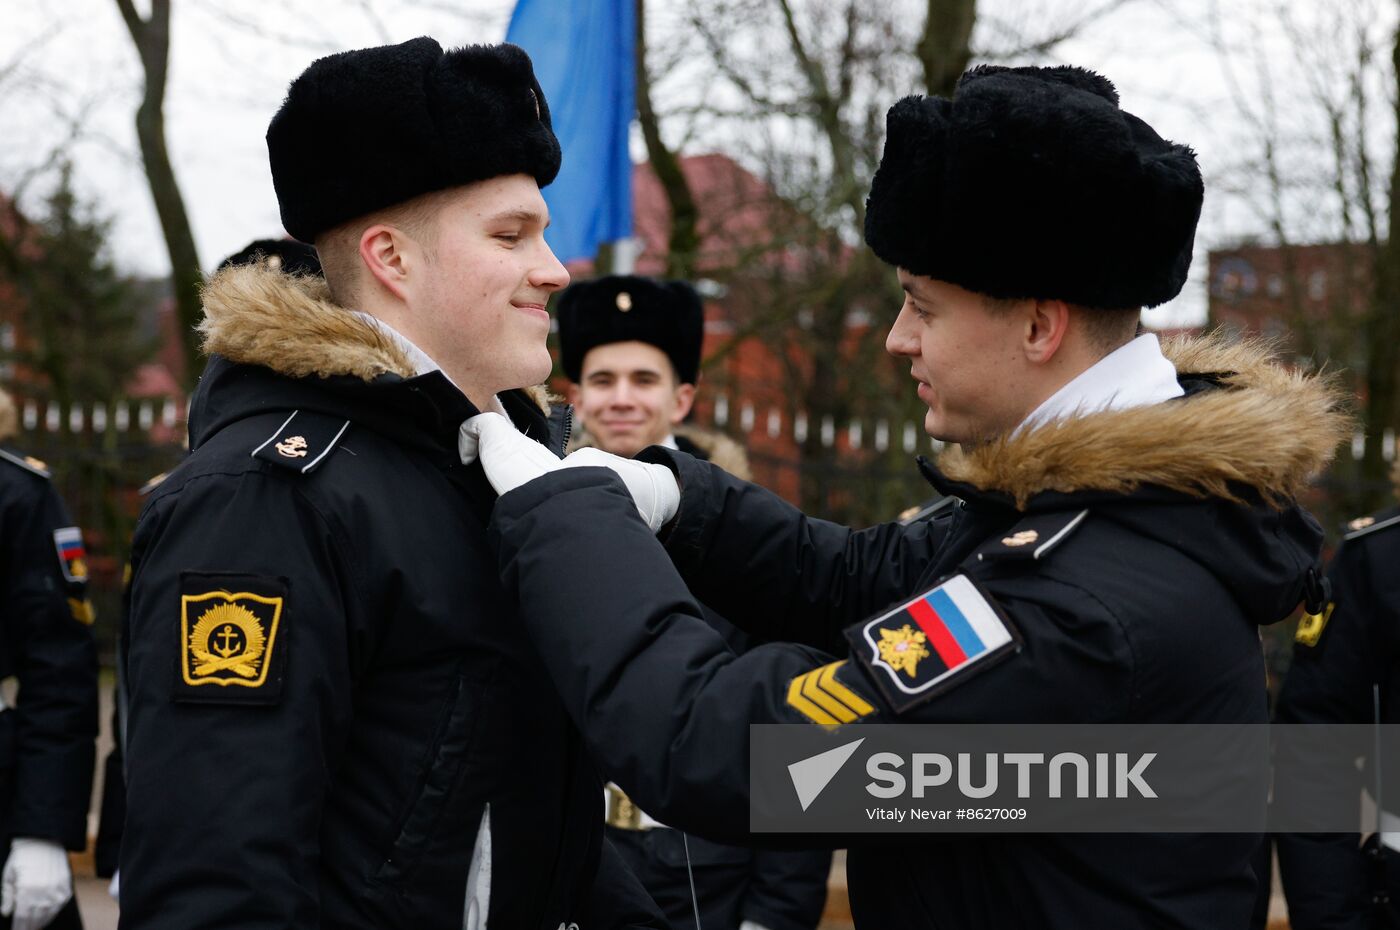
285, 255
622, 308
367, 129
1031, 182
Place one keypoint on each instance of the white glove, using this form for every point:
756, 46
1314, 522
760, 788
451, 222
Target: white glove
653, 487
35, 883
750, 925
509, 457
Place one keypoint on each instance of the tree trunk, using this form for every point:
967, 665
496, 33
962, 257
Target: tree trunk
152, 40
944, 49
683, 244
1383, 333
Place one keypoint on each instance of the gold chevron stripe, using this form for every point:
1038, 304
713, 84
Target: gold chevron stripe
836, 689
805, 707
811, 689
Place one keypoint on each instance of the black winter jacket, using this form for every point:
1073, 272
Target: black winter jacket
1342, 660
1134, 551
47, 739
335, 717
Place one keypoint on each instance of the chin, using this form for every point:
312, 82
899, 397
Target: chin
937, 428
625, 446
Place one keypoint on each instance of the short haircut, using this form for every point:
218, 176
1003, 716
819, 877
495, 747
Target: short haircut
1105, 330
339, 247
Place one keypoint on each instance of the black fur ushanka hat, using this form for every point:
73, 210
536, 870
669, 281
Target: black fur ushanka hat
370, 128
285, 255
623, 308
1031, 182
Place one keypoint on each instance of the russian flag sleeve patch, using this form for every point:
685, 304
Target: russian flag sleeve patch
933, 642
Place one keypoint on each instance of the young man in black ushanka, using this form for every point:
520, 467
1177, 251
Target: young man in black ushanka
334, 720
1126, 513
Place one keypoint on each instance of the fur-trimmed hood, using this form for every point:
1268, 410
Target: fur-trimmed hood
713, 446
1265, 427
288, 323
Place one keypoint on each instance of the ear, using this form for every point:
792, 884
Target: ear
685, 399
385, 251
1047, 321
574, 394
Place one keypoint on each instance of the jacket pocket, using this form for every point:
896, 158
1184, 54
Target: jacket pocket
436, 785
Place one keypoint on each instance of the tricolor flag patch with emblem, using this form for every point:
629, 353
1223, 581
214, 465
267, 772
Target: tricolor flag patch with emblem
932, 642
71, 554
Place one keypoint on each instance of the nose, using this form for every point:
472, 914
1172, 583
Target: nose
550, 274
622, 394
903, 340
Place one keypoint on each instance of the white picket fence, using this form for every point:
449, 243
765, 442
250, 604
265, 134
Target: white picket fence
142, 415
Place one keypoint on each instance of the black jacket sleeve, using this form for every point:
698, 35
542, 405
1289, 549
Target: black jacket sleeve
1325, 874
663, 704
775, 572
787, 889
226, 782
50, 648
618, 901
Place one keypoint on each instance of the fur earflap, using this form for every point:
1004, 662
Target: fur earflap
370, 128
1267, 427
1032, 183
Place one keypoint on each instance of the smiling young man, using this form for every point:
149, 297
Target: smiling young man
1119, 518
630, 347
326, 713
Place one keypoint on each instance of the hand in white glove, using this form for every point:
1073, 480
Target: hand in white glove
35, 883
653, 487
509, 457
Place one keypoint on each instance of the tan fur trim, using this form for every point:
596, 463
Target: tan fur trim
256, 316
1271, 429
9, 420
542, 397
722, 451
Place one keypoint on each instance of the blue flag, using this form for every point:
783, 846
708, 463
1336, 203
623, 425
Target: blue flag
583, 56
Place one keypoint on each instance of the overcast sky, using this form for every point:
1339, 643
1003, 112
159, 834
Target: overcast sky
72, 81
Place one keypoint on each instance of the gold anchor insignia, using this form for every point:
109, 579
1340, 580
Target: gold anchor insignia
1360, 523
227, 637
902, 649
32, 462
231, 641
293, 447
624, 301
1023, 538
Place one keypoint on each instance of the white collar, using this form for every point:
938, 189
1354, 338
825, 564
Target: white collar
422, 362
669, 442
1133, 375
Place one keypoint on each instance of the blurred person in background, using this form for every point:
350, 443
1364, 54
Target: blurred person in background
631, 349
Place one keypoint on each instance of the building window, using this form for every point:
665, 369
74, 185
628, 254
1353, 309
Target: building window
1317, 285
